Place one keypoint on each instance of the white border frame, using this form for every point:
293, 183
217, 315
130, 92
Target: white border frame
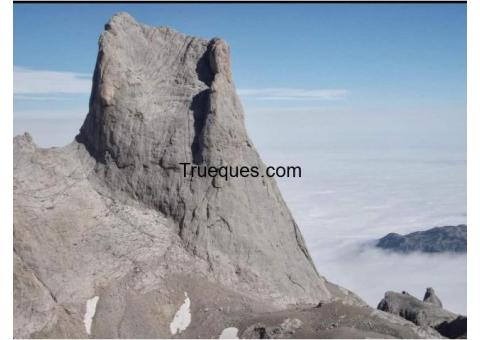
6, 170
473, 166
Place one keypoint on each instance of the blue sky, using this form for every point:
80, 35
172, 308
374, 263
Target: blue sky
362, 58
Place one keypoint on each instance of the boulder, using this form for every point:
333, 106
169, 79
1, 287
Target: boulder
431, 297
427, 313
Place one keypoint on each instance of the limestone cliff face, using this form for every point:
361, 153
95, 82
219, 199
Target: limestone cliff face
160, 98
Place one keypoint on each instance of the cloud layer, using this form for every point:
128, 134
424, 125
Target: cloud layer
293, 93
35, 84
29, 82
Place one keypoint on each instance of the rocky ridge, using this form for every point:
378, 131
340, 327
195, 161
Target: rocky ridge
434, 240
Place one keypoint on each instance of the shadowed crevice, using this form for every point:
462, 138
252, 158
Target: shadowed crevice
199, 107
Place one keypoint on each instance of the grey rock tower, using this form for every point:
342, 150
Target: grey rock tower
161, 98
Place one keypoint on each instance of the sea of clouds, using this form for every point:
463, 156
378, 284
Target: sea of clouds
364, 177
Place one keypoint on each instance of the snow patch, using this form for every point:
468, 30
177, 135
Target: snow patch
290, 325
229, 333
90, 310
182, 317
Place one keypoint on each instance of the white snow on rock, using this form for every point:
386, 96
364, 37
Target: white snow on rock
182, 317
291, 324
229, 333
90, 313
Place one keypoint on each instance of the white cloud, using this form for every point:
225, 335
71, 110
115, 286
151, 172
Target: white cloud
34, 84
28, 82
293, 93
43, 97
51, 113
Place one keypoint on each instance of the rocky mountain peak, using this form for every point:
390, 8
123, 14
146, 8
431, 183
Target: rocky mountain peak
160, 98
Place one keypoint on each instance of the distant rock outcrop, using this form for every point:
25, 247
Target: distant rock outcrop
112, 241
426, 313
435, 240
